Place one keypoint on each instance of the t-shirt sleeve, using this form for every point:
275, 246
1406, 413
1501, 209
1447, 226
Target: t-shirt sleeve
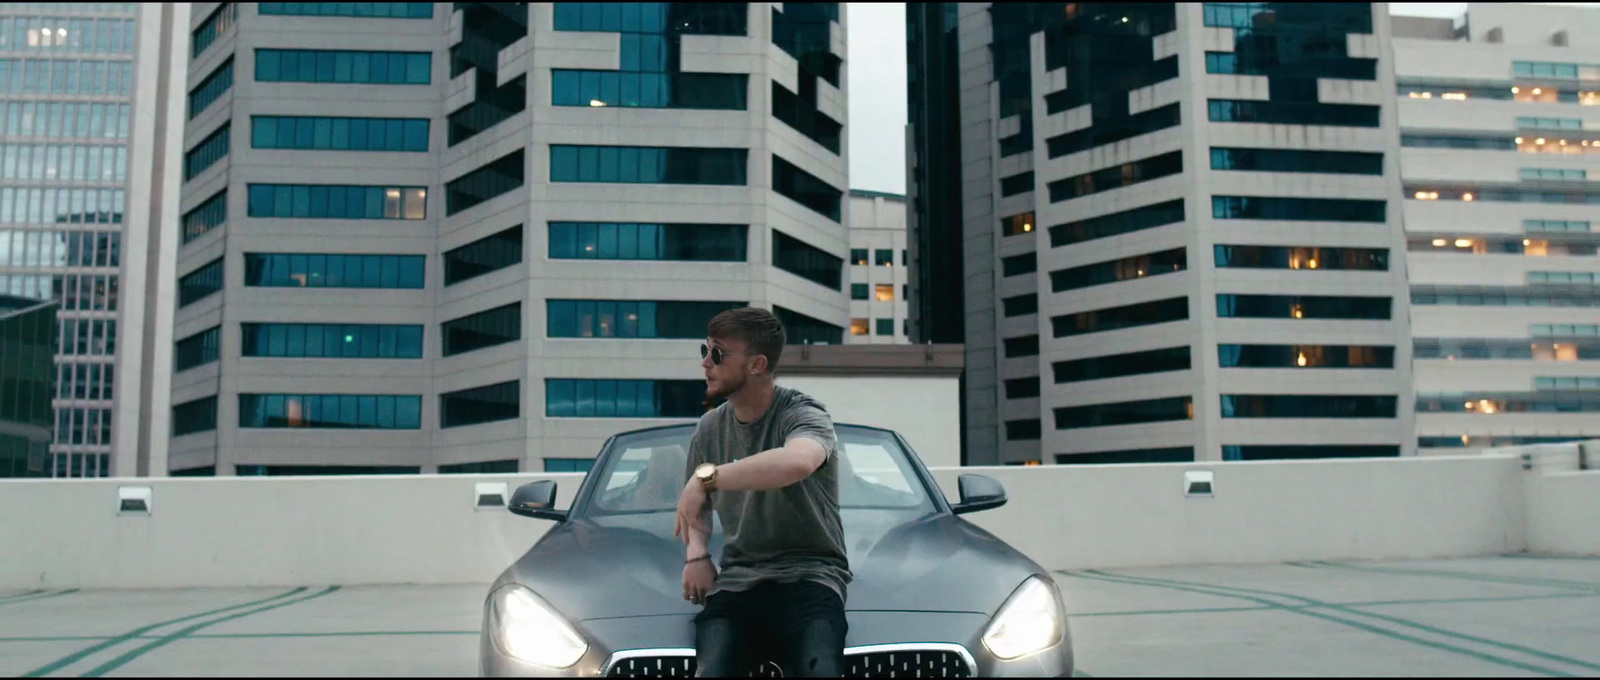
696, 452
811, 422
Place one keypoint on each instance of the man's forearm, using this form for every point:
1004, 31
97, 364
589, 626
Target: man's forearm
699, 542
770, 469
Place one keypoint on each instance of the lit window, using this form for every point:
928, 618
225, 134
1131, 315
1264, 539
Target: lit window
858, 326
885, 292
1455, 96
1427, 195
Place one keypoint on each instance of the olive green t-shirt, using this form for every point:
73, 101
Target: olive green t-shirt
784, 535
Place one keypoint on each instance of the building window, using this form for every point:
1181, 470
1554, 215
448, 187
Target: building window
375, 10
1298, 209
1117, 177
1302, 307
477, 405
804, 188
1124, 413
1172, 454
205, 154
648, 165
1021, 305
1489, 296
323, 470
331, 341
1016, 184
484, 329
1023, 430
1569, 196
211, 89
499, 177
1485, 143
804, 330
858, 256
198, 349
1017, 265
1022, 388
1024, 346
190, 417
487, 29
330, 411
1558, 174
488, 254
1491, 403
635, 90
1017, 224
339, 134
1556, 226
885, 327
1122, 365
1118, 223
860, 291
207, 471
1544, 69
645, 319
885, 292
884, 257
806, 261
1306, 451
1548, 123
1125, 269
301, 270
1258, 63
624, 398
1118, 318
858, 326
568, 464
484, 468
215, 25
1307, 257
1285, 160
1292, 113
1305, 356
1307, 406
338, 201
1573, 349
344, 66
659, 242
800, 112
700, 18
200, 283
804, 31
205, 217
1114, 130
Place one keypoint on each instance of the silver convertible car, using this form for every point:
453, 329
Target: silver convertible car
601, 594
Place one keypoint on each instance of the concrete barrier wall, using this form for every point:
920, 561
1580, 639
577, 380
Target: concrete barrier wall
1564, 513
369, 530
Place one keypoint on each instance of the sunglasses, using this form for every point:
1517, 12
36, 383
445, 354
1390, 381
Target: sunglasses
716, 353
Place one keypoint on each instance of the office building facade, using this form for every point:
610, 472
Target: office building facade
879, 286
85, 183
1499, 112
457, 237
28, 340
1181, 233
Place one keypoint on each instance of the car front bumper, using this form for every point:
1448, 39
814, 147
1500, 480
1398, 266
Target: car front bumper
879, 644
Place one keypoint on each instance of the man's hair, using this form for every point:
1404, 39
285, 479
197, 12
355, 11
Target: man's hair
759, 328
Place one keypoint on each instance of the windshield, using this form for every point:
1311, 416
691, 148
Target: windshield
645, 472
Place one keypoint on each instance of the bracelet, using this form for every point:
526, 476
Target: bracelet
697, 559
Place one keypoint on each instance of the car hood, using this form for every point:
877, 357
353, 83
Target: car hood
630, 565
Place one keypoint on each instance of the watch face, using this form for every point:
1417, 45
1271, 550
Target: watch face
704, 470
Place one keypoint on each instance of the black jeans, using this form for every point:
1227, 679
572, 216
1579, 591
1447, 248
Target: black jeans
799, 625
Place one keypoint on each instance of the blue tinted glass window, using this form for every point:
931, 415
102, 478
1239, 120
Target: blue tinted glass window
337, 201
1298, 209
329, 411
213, 87
655, 165
320, 66
308, 132
624, 398
278, 270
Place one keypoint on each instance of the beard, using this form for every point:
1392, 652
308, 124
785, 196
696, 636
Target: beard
722, 389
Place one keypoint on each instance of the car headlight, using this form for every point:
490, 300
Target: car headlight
1030, 621
529, 629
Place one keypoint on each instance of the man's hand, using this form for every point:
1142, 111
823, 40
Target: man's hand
691, 510
697, 579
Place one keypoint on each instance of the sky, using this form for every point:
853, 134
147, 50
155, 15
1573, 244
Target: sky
877, 85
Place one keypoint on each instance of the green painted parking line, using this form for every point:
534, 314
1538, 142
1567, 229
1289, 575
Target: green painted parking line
1365, 603
3, 598
1457, 575
165, 640
1222, 591
1543, 556
79, 655
37, 595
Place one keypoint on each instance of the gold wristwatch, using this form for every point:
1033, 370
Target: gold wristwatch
707, 474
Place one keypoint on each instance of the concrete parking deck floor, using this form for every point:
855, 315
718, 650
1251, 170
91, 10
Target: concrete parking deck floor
1494, 616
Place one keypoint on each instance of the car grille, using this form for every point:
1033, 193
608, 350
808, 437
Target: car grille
897, 664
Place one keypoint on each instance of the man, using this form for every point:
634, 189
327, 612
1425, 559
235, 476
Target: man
766, 461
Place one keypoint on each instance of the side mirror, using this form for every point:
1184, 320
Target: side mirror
536, 500
978, 493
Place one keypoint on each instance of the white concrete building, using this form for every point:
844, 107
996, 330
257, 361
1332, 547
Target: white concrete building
484, 237
1182, 242
878, 283
1500, 130
89, 119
